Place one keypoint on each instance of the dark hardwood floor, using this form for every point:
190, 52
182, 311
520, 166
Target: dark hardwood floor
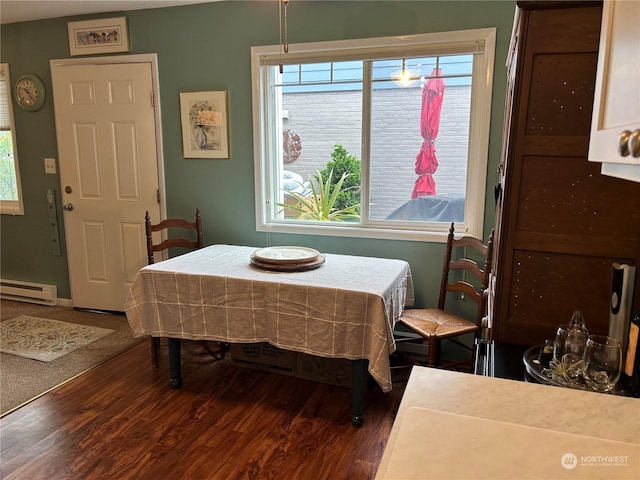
122, 420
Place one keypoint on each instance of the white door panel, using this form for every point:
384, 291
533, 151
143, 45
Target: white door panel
106, 128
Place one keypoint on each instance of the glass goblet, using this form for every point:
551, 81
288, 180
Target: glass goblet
558, 343
602, 362
568, 349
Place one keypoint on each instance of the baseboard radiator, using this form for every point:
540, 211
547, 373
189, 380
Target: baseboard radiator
29, 292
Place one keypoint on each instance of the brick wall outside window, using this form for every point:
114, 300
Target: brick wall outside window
325, 119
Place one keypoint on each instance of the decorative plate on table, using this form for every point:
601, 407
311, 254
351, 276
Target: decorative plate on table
285, 255
288, 267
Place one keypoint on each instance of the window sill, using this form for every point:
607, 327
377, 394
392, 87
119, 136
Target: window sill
324, 229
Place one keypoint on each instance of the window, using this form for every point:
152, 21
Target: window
375, 110
10, 189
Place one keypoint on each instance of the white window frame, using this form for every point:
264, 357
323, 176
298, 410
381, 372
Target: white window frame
483, 40
12, 207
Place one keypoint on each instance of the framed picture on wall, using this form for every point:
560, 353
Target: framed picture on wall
104, 35
205, 131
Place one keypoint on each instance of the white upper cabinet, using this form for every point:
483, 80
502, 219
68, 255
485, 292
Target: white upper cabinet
615, 127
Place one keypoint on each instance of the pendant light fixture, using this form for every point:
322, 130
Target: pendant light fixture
404, 77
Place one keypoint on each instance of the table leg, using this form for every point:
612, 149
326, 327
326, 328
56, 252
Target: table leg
359, 371
174, 363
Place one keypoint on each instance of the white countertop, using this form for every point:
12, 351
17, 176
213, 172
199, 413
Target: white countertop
509, 429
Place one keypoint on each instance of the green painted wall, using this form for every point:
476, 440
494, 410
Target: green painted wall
207, 47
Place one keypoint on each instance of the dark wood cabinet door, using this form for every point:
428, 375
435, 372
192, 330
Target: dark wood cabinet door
561, 224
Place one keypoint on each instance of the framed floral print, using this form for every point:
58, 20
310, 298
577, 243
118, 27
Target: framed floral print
205, 131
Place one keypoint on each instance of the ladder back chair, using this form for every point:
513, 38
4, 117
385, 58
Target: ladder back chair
170, 223
187, 240
437, 324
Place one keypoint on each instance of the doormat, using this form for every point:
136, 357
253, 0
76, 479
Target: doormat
43, 339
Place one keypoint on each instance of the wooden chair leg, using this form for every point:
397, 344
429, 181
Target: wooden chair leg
155, 348
434, 352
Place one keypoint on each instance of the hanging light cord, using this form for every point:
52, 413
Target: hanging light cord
283, 45
286, 30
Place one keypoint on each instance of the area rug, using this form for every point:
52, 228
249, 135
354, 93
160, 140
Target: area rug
23, 380
44, 339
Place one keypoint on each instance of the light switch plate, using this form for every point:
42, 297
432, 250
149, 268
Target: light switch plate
50, 165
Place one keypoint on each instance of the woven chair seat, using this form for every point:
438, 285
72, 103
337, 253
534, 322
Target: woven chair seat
432, 322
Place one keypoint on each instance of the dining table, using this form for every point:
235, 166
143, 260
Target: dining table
343, 307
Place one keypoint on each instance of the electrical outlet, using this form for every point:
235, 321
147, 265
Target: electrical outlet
50, 165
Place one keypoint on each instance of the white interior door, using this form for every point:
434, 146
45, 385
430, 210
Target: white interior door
106, 132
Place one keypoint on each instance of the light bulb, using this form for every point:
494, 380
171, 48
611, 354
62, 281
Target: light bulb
404, 77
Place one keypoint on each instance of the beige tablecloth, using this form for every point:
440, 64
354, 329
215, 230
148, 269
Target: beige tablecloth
346, 308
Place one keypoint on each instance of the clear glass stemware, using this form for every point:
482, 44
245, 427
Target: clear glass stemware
602, 362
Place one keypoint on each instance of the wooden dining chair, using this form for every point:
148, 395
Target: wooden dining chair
190, 239
183, 241
437, 324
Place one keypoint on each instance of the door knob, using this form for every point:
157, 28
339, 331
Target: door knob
633, 144
68, 207
623, 143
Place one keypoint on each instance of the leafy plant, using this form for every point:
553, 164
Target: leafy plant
343, 162
321, 204
563, 371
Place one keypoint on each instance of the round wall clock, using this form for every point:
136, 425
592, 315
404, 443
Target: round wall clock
30, 92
